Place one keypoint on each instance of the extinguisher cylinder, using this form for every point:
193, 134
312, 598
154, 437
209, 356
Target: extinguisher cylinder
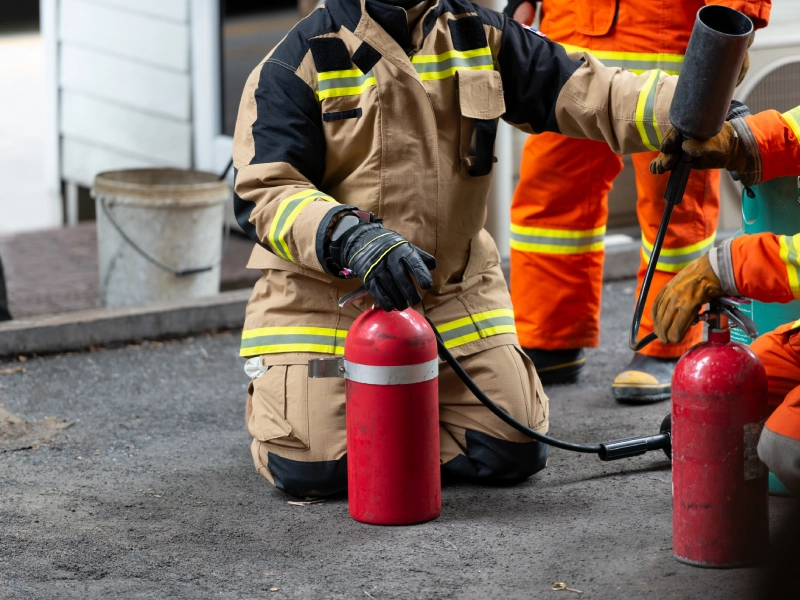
720, 487
392, 403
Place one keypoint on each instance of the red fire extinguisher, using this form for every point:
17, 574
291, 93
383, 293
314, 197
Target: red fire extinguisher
391, 369
719, 485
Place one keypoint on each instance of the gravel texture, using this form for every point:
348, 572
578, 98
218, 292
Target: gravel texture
152, 494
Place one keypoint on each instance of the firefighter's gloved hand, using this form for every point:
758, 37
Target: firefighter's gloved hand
723, 151
522, 11
679, 302
387, 264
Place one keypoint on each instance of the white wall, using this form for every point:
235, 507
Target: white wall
26, 201
125, 86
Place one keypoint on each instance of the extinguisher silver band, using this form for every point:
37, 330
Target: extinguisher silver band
404, 375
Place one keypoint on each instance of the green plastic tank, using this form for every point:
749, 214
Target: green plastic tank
774, 208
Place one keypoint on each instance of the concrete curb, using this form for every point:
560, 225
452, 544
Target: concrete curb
77, 330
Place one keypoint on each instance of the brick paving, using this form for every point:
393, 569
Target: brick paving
55, 270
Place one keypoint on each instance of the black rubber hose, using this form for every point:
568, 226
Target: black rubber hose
445, 355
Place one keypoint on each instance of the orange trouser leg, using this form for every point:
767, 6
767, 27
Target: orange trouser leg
558, 217
779, 446
779, 352
690, 235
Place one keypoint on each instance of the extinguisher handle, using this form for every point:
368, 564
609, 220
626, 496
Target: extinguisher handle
744, 322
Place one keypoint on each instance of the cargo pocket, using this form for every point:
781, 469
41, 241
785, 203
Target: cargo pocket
279, 407
598, 19
483, 255
536, 402
481, 102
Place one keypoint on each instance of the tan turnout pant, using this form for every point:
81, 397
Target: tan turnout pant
298, 424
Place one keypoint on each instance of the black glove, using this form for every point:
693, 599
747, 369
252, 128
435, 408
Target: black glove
384, 261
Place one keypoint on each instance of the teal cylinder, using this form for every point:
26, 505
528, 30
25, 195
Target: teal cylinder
774, 208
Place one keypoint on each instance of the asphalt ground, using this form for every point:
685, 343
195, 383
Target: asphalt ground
151, 493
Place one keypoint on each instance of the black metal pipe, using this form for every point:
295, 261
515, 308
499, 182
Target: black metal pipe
710, 70
699, 108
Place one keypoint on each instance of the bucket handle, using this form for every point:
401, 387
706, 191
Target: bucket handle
153, 261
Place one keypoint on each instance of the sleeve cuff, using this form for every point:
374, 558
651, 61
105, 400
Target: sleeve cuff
752, 175
721, 261
322, 236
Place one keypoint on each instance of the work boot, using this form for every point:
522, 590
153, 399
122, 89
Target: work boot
644, 380
557, 366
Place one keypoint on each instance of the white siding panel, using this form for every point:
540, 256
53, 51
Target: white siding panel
139, 37
176, 10
80, 162
128, 83
126, 130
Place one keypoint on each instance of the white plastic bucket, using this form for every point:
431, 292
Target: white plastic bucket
159, 234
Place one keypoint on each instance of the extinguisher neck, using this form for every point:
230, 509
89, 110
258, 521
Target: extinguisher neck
719, 336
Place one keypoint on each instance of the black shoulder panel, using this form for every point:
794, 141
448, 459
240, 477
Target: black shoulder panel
288, 125
490, 17
366, 57
330, 54
467, 33
291, 51
533, 69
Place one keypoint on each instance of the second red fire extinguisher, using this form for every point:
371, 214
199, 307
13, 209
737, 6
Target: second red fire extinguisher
719, 405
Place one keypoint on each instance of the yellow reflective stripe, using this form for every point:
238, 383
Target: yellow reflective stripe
557, 241
433, 58
645, 113
792, 119
789, 256
347, 91
326, 75
431, 67
287, 213
636, 62
478, 326
451, 71
273, 340
672, 260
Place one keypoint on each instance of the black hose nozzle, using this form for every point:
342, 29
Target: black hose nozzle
635, 446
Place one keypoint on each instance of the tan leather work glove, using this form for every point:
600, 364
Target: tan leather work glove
679, 302
723, 151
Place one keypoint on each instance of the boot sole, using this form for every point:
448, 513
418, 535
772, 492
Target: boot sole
561, 375
634, 395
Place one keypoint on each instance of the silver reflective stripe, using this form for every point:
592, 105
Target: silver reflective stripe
391, 375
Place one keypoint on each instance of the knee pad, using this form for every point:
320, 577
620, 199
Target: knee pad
492, 460
307, 479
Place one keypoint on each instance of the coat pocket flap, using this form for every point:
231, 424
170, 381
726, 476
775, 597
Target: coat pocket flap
480, 94
596, 20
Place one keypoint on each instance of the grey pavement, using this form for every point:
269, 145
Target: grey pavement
152, 494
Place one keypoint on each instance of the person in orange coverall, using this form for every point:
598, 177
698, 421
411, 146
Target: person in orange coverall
560, 207
762, 266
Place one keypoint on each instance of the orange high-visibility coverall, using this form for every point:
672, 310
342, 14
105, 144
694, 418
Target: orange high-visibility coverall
560, 207
766, 267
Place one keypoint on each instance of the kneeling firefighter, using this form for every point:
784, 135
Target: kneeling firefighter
363, 152
762, 266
